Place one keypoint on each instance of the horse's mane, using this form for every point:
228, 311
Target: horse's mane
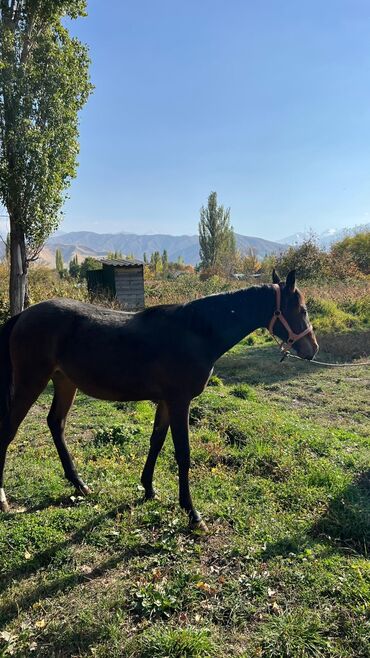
204, 315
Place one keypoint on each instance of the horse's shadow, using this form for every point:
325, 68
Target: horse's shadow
43, 558
260, 365
346, 521
343, 527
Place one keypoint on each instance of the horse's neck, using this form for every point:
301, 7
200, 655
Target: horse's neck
230, 317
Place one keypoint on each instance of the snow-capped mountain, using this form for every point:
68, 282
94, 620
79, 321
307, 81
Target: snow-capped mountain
326, 238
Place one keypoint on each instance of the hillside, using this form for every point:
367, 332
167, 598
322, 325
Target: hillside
47, 256
88, 243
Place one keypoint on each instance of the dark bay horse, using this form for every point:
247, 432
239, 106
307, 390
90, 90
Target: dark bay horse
164, 353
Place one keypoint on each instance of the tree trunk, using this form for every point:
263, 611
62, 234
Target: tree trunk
18, 269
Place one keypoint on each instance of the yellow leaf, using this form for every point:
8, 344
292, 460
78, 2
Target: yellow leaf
41, 623
205, 587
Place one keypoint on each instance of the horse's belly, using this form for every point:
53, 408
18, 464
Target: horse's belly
119, 393
132, 370
114, 381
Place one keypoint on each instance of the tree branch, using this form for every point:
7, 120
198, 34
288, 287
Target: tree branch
1, 237
13, 9
34, 253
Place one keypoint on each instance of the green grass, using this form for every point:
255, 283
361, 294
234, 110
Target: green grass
281, 472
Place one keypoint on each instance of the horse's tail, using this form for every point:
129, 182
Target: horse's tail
6, 366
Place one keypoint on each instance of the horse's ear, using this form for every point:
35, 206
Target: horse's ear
275, 276
290, 281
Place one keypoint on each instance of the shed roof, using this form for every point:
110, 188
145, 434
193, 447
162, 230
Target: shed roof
121, 262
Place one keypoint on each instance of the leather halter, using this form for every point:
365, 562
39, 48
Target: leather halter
278, 315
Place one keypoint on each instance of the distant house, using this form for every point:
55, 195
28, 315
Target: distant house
121, 279
240, 276
174, 274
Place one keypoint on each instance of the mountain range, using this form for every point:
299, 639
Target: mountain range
88, 243
97, 245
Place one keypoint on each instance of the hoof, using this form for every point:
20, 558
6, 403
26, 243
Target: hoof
198, 526
4, 505
150, 495
83, 490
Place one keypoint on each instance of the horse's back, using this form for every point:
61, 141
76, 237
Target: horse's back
51, 330
107, 353
58, 308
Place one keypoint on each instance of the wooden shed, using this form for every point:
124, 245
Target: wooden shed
122, 279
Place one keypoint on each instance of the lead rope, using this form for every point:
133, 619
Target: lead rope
328, 365
286, 354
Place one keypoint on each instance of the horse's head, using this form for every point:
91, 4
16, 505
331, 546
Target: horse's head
294, 314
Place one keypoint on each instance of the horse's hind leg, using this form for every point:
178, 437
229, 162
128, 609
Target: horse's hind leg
64, 395
179, 421
161, 425
7, 435
24, 395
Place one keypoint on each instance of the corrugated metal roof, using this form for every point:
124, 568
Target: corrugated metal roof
121, 262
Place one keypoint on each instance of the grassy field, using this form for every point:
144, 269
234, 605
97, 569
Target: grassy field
281, 473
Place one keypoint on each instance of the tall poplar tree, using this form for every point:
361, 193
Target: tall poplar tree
165, 259
216, 235
59, 265
44, 82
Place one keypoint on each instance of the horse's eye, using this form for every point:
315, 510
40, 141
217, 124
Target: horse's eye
304, 311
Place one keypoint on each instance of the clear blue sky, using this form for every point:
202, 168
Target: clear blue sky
268, 103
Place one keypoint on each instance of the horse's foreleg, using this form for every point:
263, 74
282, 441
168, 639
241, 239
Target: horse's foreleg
160, 429
179, 421
5, 439
23, 397
64, 395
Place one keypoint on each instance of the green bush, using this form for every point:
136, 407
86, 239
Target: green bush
326, 315
359, 308
244, 392
358, 248
116, 434
307, 258
215, 381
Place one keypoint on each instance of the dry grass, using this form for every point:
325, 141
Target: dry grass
340, 292
334, 305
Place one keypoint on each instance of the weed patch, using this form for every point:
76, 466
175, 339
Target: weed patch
162, 597
244, 392
188, 642
299, 635
115, 434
